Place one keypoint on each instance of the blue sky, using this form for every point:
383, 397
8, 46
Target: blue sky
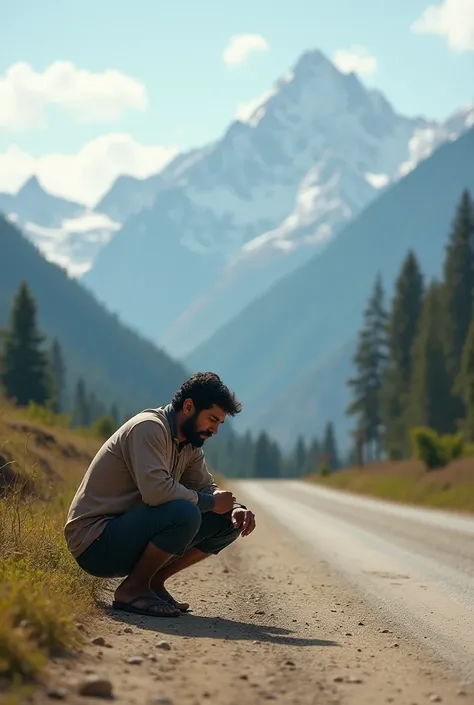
176, 51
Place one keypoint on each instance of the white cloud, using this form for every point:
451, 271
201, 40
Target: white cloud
88, 174
453, 19
356, 59
240, 46
98, 97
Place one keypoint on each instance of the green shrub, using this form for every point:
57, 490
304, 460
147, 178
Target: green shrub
324, 470
429, 447
46, 417
103, 427
453, 445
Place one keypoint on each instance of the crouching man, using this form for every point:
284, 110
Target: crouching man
148, 507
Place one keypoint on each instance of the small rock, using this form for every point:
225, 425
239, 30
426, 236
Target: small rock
152, 657
260, 612
135, 660
361, 624
386, 631
128, 630
164, 645
435, 698
348, 634
461, 692
225, 570
80, 626
56, 693
338, 679
98, 641
95, 687
289, 663
354, 679
244, 677
395, 646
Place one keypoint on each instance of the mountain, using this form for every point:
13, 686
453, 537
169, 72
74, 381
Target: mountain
116, 364
254, 205
288, 354
65, 232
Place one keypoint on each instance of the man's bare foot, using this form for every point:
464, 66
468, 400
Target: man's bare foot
163, 593
145, 602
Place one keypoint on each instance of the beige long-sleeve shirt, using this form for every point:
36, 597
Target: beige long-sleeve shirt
142, 462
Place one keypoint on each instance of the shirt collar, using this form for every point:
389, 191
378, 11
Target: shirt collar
170, 414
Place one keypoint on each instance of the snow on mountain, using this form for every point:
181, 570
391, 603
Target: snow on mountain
65, 232
282, 181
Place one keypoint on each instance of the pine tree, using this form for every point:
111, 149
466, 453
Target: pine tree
58, 377
403, 322
24, 365
458, 291
266, 460
312, 457
431, 398
297, 460
465, 384
370, 361
81, 415
329, 448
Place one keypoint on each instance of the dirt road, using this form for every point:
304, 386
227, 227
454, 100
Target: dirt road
331, 600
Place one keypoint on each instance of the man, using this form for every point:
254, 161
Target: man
148, 507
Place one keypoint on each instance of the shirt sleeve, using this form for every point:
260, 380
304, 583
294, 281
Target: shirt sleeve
149, 466
197, 476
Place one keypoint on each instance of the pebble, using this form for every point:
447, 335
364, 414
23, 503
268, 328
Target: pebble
338, 679
96, 687
164, 645
128, 630
135, 660
354, 679
56, 693
98, 641
435, 698
260, 612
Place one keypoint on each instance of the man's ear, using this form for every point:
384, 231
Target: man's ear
188, 407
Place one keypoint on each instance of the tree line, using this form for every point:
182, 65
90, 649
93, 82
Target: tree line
414, 361
33, 373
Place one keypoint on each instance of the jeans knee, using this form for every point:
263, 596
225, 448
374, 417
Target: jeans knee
187, 515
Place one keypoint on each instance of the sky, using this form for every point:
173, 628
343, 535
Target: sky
90, 89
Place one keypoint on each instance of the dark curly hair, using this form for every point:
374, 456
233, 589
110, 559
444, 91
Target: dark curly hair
206, 389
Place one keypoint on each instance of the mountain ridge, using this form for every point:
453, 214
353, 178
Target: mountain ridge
281, 343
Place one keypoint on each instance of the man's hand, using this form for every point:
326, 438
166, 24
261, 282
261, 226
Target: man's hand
243, 519
223, 502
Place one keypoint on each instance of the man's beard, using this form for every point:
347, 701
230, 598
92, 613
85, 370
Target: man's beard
191, 433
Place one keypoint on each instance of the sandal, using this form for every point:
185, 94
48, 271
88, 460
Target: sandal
169, 599
154, 601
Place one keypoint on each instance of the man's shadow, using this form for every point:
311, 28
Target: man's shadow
215, 628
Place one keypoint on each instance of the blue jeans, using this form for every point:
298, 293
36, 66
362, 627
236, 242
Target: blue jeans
173, 527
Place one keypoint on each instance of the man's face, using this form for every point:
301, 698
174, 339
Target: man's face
199, 426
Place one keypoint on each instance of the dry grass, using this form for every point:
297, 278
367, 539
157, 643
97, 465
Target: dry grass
408, 481
43, 593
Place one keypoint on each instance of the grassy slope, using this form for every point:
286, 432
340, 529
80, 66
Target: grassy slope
407, 481
43, 594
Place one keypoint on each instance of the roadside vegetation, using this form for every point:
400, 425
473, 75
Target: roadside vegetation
44, 597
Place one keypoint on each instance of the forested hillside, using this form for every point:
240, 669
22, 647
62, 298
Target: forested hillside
116, 363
